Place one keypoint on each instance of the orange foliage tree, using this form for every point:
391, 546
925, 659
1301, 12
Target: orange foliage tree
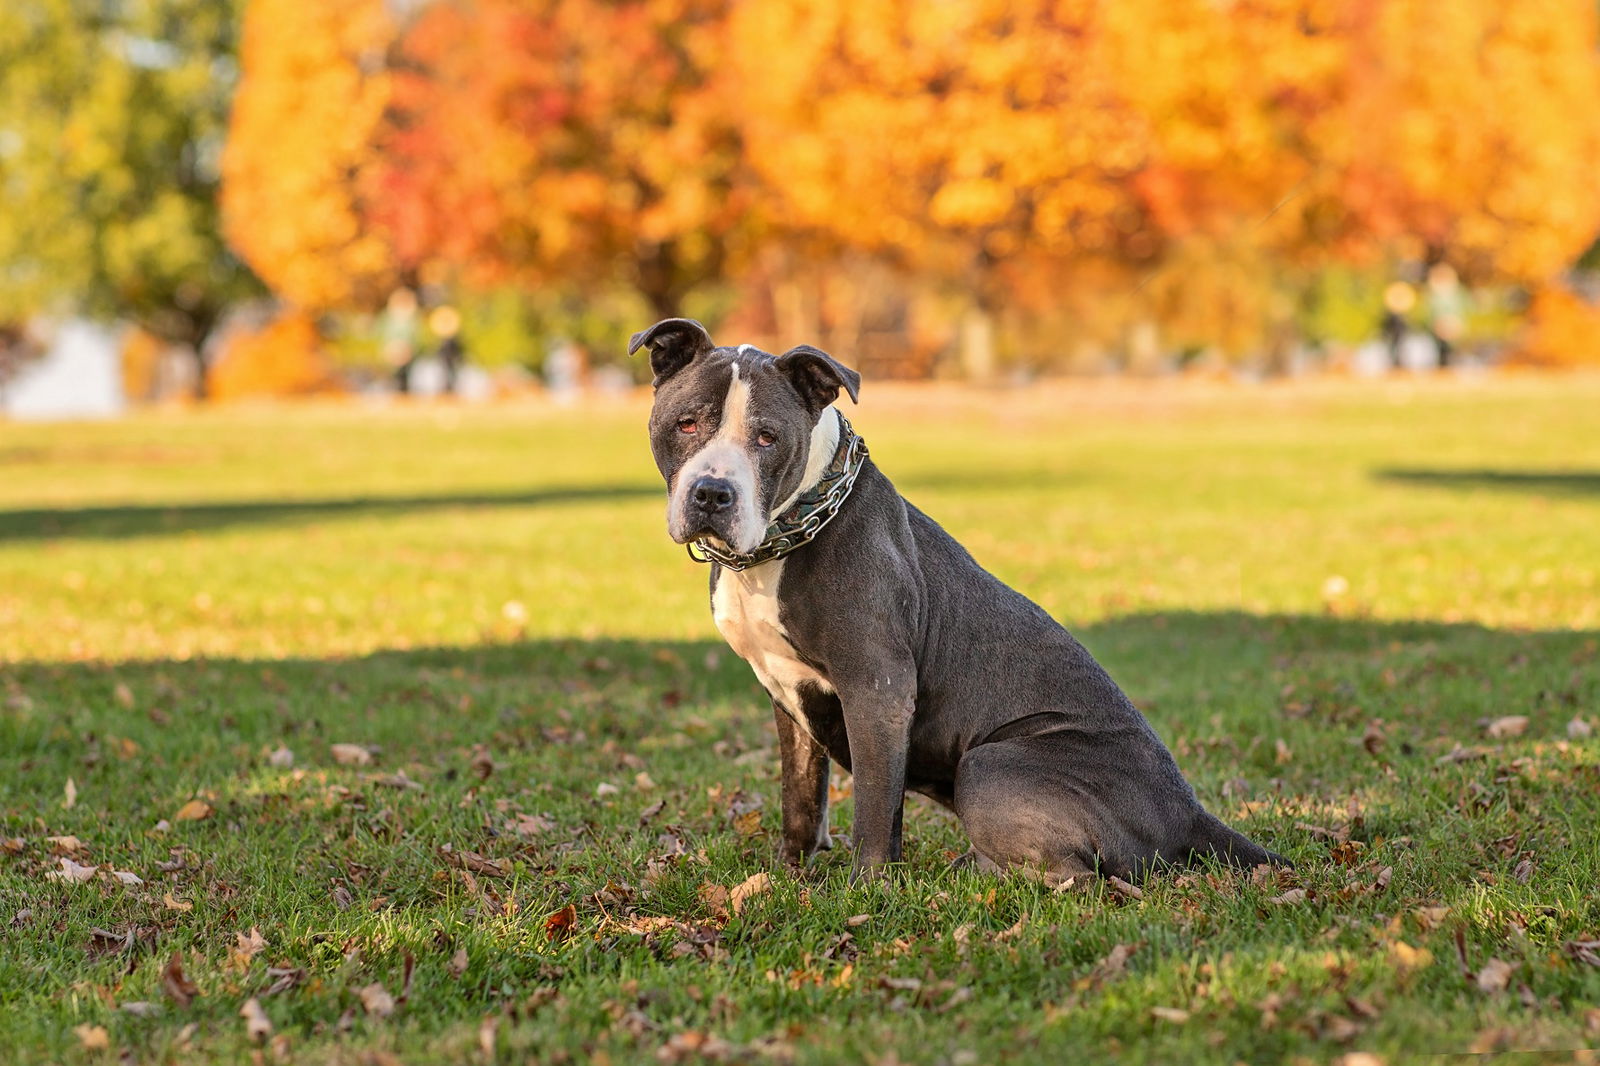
564, 142
299, 167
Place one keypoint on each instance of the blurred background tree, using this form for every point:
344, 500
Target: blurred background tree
112, 120
973, 186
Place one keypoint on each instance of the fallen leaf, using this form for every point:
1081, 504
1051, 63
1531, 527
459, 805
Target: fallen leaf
351, 755
1112, 965
140, 1009
558, 925
1013, 932
257, 1026
127, 877
1495, 975
1407, 958
250, 944
747, 824
123, 695
376, 1000
194, 811
1282, 753
458, 962
651, 811
531, 825
643, 781
281, 758
1579, 728
72, 872
604, 789
106, 940
486, 1035
70, 795
283, 978
1175, 1015
175, 983
14, 845
342, 898
1123, 888
64, 845
174, 904
1584, 951
93, 1037
1512, 725
748, 889
1292, 896
482, 765
471, 860
857, 920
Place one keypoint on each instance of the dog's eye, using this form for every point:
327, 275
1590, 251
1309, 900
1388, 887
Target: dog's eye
687, 425
765, 439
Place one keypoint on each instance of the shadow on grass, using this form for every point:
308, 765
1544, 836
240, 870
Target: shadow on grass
163, 519
1544, 482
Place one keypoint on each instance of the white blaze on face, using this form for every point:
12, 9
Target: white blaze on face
727, 455
824, 442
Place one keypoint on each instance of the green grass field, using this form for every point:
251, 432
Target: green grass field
1365, 618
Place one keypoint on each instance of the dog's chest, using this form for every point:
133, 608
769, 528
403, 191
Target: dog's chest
745, 608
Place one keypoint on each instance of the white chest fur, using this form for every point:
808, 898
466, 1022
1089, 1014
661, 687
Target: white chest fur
745, 608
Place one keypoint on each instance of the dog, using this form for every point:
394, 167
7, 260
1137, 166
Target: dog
885, 647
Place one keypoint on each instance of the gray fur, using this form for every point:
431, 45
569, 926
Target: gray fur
936, 677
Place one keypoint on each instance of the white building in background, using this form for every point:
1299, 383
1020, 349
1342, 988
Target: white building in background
79, 376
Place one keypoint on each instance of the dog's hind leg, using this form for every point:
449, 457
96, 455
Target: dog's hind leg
1020, 814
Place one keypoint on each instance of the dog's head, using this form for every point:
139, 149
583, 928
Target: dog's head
737, 432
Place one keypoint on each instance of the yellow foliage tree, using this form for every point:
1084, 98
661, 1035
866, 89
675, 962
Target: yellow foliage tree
298, 169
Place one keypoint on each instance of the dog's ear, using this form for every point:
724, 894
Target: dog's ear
674, 343
818, 376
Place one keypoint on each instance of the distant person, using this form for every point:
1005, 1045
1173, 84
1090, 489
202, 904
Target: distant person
1398, 300
445, 324
1447, 310
398, 331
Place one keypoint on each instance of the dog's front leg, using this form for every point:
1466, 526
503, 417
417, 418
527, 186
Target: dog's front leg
878, 724
805, 791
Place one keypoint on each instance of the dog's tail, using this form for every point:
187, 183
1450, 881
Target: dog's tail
1212, 837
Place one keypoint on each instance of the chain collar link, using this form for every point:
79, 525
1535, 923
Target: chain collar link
797, 526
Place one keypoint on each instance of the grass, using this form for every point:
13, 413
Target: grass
1321, 595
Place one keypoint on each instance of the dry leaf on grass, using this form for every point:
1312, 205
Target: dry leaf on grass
1175, 1015
1289, 898
175, 983
1495, 975
194, 811
351, 754
1123, 888
376, 1000
458, 962
1579, 728
486, 1035
1407, 958
140, 1008
257, 1026
93, 1037
69, 795
1512, 725
127, 878
281, 758
558, 925
174, 904
748, 889
64, 845
249, 945
72, 872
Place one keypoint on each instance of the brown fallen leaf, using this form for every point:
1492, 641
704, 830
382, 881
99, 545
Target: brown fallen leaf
1495, 975
195, 810
1407, 958
93, 1037
558, 925
280, 758
1584, 951
70, 795
471, 860
140, 1008
1110, 966
283, 979
376, 1000
748, 889
64, 845
127, 877
458, 962
486, 1035
342, 898
1289, 898
72, 872
1512, 725
249, 945
14, 845
1579, 728
257, 1026
1175, 1015
175, 983
123, 695
747, 824
351, 754
174, 904
104, 940
857, 920
1123, 888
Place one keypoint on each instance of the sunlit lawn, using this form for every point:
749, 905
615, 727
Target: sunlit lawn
1329, 599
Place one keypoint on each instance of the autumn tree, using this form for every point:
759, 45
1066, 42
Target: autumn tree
565, 143
111, 123
301, 166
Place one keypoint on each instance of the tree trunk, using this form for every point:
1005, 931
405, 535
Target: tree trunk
202, 372
977, 344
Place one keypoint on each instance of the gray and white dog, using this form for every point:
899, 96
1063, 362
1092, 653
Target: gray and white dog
886, 647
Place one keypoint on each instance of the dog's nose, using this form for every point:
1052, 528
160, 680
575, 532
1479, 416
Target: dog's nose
712, 494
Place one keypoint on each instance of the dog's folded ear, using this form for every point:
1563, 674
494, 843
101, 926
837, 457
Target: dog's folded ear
674, 343
818, 376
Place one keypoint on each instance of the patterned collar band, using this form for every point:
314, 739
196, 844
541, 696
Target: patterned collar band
813, 509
